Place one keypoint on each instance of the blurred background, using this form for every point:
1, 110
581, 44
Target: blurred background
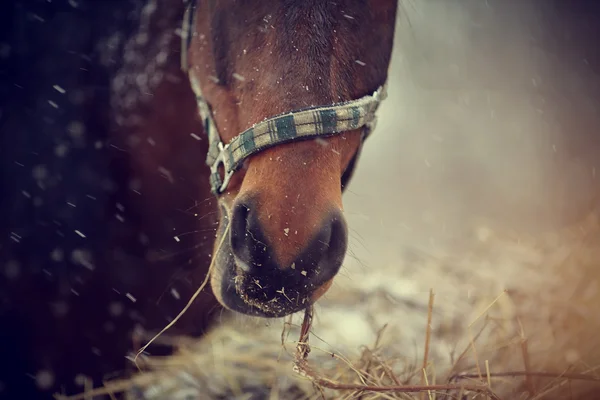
493, 118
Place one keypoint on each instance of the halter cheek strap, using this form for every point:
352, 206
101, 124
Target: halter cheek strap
308, 123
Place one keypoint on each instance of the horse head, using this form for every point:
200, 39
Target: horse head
287, 91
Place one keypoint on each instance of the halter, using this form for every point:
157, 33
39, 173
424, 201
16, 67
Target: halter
301, 124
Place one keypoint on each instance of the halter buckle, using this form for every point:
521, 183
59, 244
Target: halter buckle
217, 184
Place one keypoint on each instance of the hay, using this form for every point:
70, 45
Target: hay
535, 340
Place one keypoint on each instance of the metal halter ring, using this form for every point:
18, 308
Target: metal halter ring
217, 184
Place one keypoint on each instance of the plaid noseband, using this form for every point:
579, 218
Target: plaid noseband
313, 122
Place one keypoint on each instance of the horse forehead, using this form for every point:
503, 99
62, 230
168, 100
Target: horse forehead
259, 45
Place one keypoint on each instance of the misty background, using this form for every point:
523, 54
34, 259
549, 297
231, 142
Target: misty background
492, 119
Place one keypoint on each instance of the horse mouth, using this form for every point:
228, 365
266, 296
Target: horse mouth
246, 294
271, 303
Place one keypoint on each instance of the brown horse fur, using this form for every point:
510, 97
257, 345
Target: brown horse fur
258, 59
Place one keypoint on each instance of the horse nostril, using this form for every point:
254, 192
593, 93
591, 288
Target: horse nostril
245, 238
325, 254
338, 243
315, 264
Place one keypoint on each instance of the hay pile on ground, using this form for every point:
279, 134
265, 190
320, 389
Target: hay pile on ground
514, 318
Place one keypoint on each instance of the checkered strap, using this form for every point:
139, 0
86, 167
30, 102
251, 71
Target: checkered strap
309, 123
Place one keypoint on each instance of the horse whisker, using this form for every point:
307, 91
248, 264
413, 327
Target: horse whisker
194, 296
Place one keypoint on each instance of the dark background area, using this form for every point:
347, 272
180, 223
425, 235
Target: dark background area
51, 164
58, 175
73, 243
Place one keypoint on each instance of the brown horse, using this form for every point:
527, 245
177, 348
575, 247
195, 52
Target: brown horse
286, 92
269, 75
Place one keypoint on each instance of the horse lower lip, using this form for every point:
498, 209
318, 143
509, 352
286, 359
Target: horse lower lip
269, 308
244, 304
